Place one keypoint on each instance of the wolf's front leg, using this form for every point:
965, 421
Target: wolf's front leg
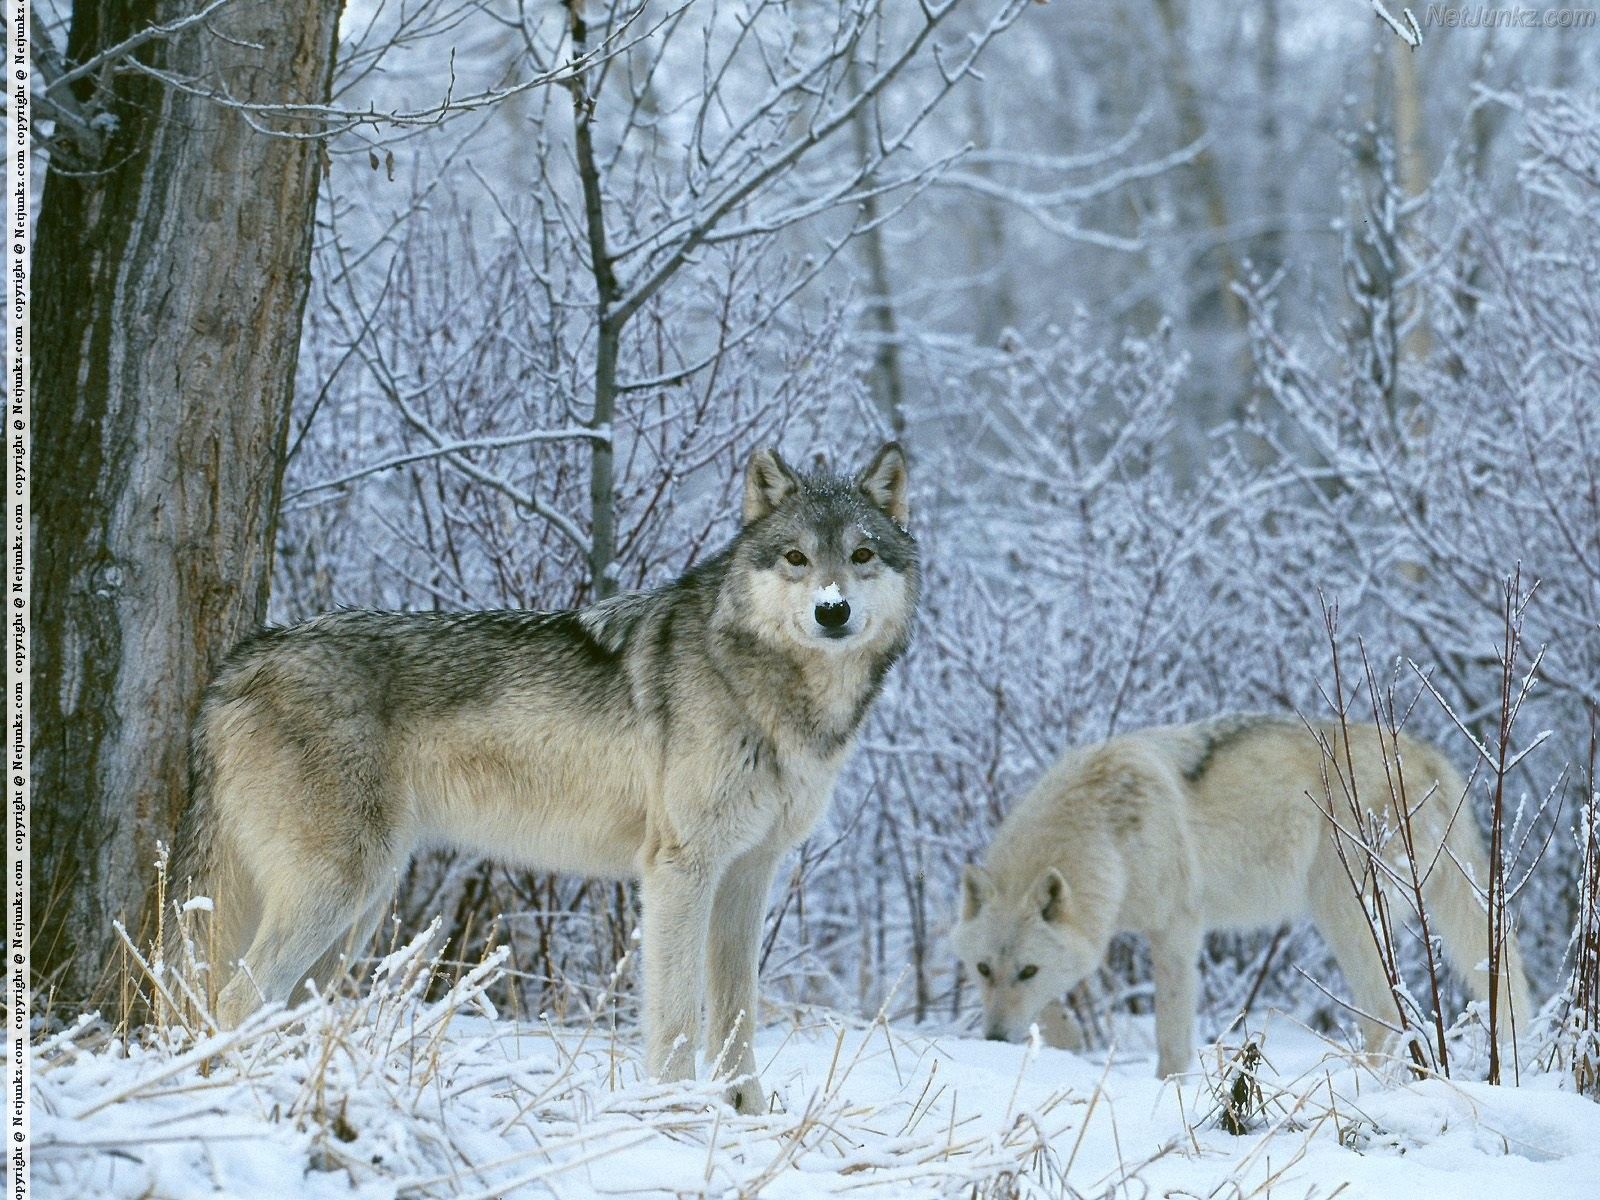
1059, 1027
737, 920
676, 891
1173, 960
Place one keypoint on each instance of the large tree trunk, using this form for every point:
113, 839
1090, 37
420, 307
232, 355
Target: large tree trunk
171, 268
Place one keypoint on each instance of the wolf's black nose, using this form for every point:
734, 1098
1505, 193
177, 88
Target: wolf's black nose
995, 1035
833, 615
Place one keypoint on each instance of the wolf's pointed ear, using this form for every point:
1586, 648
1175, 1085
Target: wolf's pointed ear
1050, 895
767, 480
977, 889
884, 483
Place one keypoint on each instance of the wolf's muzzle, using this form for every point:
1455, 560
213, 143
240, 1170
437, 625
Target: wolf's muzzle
833, 616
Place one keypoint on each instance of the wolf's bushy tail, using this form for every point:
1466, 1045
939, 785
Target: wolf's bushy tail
204, 864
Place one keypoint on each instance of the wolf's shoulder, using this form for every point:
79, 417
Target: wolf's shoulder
1196, 747
1153, 766
619, 621
1109, 783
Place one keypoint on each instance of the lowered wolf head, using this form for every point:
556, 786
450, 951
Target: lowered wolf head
827, 562
1024, 950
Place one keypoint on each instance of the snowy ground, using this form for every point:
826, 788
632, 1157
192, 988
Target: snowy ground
393, 1096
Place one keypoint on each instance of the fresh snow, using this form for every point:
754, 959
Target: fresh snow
397, 1095
827, 595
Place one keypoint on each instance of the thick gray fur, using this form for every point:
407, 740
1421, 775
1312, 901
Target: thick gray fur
687, 736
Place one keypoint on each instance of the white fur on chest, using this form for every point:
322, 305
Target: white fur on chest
803, 794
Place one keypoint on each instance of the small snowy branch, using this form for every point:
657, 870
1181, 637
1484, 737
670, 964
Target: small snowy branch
449, 450
127, 46
1409, 32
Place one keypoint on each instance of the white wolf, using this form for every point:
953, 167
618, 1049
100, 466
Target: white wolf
1174, 831
688, 736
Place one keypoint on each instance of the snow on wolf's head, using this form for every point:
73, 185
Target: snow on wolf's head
828, 563
1023, 949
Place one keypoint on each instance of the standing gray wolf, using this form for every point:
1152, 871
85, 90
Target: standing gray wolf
687, 737
1223, 824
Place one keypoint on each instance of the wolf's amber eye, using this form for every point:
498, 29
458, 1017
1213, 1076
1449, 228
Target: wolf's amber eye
863, 554
796, 559
1027, 973
983, 969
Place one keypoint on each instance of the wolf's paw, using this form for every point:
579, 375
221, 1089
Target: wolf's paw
1171, 1066
237, 1001
746, 1096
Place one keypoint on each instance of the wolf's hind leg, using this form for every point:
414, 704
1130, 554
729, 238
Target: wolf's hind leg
1174, 955
1338, 917
295, 931
1462, 923
340, 957
317, 836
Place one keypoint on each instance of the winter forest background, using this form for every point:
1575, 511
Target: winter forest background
1198, 323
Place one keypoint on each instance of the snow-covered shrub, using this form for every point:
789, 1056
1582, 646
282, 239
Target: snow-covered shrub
1092, 564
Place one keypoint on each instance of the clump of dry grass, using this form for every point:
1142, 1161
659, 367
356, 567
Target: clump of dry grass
482, 1107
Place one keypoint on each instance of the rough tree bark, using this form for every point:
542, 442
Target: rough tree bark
171, 269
